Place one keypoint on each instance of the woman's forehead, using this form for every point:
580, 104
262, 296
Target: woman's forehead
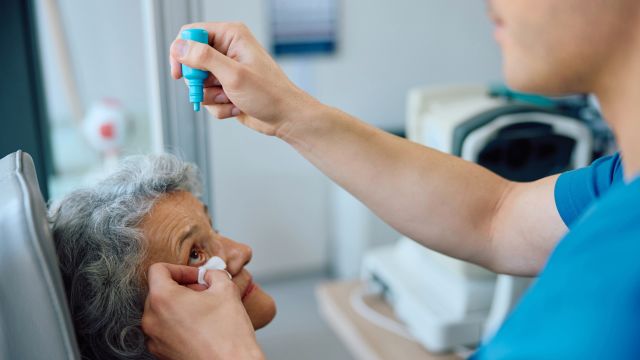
180, 202
175, 214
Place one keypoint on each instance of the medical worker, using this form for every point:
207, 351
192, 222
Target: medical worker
578, 232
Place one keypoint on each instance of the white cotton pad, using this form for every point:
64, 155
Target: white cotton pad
215, 263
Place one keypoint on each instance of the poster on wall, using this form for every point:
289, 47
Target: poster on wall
303, 27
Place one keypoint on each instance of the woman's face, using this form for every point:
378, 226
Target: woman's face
178, 230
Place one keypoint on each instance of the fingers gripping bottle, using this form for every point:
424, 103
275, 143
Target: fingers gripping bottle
195, 77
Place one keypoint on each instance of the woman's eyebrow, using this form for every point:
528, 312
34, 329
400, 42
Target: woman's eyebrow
206, 211
192, 229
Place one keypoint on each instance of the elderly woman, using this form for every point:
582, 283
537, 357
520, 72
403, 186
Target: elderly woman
108, 235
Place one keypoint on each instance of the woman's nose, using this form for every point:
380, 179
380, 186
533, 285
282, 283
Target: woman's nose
237, 255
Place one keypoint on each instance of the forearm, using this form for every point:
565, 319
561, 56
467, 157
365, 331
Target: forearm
439, 200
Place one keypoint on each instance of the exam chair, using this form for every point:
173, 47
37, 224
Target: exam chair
35, 322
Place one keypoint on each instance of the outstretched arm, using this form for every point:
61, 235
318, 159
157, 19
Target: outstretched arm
447, 204
443, 202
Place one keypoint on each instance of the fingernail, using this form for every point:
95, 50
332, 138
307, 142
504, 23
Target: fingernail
221, 98
182, 47
235, 111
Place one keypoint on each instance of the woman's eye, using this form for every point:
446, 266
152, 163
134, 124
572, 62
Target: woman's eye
196, 257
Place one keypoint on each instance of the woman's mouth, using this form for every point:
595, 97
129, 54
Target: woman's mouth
248, 290
244, 281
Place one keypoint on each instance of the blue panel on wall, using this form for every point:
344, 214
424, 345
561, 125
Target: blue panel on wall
303, 27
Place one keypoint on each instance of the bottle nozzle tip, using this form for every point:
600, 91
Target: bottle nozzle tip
196, 106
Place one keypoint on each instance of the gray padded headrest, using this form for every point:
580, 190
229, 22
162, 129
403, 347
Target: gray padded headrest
34, 318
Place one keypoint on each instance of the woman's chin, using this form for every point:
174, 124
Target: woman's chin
261, 309
262, 322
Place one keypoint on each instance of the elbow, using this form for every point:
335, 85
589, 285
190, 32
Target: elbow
499, 232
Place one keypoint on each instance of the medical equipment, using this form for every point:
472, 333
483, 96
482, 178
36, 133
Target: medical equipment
215, 263
447, 303
195, 77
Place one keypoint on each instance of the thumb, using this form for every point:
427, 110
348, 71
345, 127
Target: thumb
203, 57
219, 282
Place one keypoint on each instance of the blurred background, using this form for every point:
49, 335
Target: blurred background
95, 85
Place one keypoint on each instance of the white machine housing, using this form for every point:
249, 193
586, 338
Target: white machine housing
444, 302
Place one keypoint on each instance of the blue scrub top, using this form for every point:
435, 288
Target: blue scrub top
586, 302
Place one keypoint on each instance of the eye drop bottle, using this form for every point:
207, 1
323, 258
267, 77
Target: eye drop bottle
195, 77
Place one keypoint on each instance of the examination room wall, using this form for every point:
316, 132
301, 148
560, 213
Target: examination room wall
101, 43
267, 195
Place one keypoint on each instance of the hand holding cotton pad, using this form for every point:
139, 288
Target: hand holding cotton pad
215, 263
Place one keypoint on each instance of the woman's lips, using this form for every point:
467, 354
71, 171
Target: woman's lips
248, 290
244, 281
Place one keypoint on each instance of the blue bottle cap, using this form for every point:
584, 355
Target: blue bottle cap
199, 35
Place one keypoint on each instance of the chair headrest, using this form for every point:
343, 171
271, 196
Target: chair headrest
34, 317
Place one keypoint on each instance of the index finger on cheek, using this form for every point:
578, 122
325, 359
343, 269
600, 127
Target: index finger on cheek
212, 277
163, 273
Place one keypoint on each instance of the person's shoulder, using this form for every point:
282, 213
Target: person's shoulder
607, 237
576, 191
623, 196
618, 212
607, 171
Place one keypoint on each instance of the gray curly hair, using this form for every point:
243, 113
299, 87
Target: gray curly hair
101, 252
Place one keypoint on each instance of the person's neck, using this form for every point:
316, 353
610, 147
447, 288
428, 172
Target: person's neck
619, 97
